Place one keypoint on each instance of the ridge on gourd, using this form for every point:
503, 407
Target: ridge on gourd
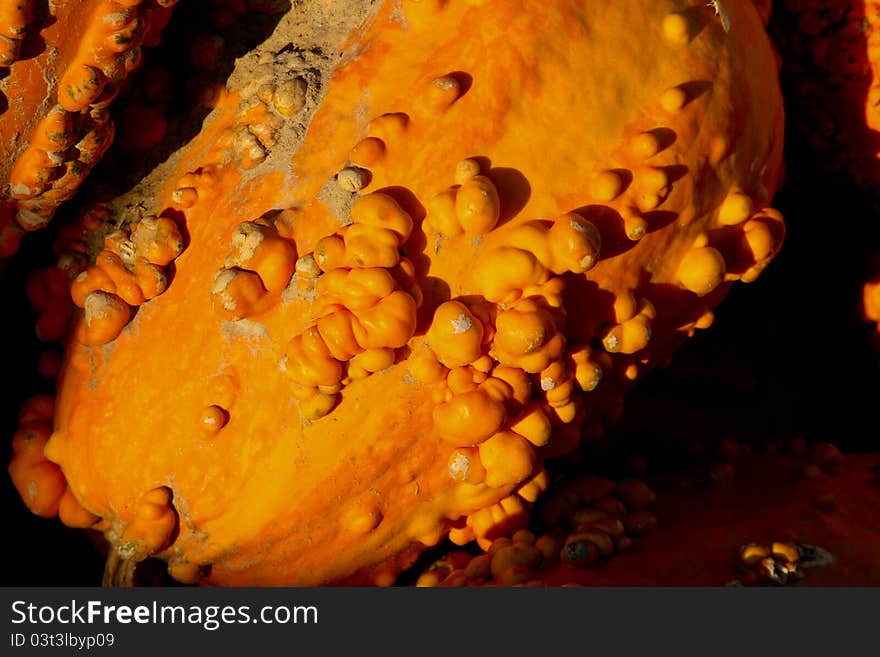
54, 102
482, 239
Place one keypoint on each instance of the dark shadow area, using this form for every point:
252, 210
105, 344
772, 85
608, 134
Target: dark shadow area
38, 551
826, 76
657, 219
611, 227
514, 191
694, 89
665, 137
465, 81
787, 355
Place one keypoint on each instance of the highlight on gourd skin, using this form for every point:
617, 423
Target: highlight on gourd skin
403, 291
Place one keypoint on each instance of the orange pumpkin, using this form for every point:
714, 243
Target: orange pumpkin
330, 348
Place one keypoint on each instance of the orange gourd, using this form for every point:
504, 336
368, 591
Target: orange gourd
327, 349
66, 64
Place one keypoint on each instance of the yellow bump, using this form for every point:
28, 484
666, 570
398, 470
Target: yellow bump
382, 211
461, 380
484, 363
574, 243
508, 458
533, 425
374, 360
676, 28
362, 517
531, 489
635, 226
455, 334
629, 337
461, 535
317, 406
104, 317
469, 418
607, 186
443, 91
587, 373
370, 246
503, 273
258, 248
309, 361
705, 320
465, 170
425, 367
441, 214
673, 99
477, 205
701, 270
212, 419
645, 145
735, 209
522, 331
517, 380
389, 127
368, 151
151, 528
625, 306
653, 179
351, 179
185, 197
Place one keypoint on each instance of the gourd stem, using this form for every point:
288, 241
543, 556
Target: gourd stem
118, 571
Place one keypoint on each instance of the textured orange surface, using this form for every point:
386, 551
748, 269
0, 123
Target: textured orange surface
226, 389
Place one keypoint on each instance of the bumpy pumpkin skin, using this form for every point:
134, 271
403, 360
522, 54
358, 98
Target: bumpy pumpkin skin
194, 438
66, 64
